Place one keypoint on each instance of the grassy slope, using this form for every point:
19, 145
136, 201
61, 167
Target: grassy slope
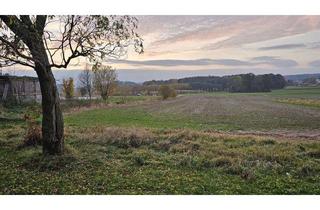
158, 159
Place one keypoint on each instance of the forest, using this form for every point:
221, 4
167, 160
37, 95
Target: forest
233, 83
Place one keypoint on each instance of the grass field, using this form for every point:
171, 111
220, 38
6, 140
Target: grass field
288, 92
215, 143
217, 111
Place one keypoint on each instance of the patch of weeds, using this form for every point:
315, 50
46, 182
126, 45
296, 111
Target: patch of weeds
308, 169
222, 162
188, 162
162, 146
268, 142
131, 141
176, 145
237, 143
281, 157
216, 163
194, 146
33, 137
185, 147
269, 167
314, 154
244, 172
11, 135
139, 160
301, 148
174, 139
179, 148
125, 139
247, 174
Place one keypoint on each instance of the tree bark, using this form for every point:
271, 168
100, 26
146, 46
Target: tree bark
52, 121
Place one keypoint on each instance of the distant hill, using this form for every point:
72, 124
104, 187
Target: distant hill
301, 77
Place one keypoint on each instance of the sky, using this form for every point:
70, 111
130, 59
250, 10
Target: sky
180, 46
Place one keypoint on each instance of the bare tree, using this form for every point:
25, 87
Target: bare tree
105, 80
85, 79
44, 42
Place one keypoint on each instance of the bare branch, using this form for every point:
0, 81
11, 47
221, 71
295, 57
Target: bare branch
15, 48
10, 61
95, 37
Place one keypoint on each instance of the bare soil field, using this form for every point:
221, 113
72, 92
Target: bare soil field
241, 112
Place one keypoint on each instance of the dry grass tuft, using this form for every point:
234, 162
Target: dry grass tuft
120, 137
33, 136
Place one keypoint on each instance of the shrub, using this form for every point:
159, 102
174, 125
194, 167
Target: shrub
167, 92
33, 135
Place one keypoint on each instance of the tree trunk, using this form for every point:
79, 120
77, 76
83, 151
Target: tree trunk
32, 35
89, 92
52, 121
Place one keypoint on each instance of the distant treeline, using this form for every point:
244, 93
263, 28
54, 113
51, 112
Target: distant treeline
234, 83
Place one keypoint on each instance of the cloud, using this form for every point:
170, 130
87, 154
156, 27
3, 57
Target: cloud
283, 47
315, 63
275, 61
240, 30
175, 62
230, 62
269, 60
314, 45
196, 62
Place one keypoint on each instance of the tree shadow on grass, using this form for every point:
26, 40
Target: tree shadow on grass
44, 163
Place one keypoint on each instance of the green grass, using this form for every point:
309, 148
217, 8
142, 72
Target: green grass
128, 117
203, 112
140, 161
170, 147
298, 92
294, 92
